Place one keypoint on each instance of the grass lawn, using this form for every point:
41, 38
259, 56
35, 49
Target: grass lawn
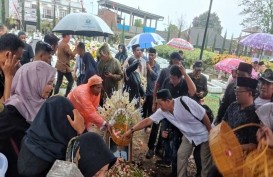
212, 100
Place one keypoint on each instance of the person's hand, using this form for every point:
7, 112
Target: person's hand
154, 107
108, 127
249, 147
78, 122
265, 132
182, 69
109, 75
200, 94
140, 66
127, 134
149, 68
164, 134
74, 76
10, 65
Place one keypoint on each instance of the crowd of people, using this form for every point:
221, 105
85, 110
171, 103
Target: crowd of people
37, 126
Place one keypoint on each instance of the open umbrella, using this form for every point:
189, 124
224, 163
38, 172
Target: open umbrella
179, 43
228, 64
146, 40
262, 41
83, 24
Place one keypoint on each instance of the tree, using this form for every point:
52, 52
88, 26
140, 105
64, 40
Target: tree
138, 23
214, 42
180, 24
123, 32
3, 11
54, 12
23, 15
69, 7
230, 46
224, 43
46, 26
189, 33
206, 41
197, 41
258, 13
11, 22
214, 21
238, 45
38, 16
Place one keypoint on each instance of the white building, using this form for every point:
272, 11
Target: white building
62, 8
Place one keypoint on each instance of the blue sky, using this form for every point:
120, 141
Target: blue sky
227, 10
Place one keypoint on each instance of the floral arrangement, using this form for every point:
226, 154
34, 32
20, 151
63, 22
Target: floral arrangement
119, 110
143, 82
221, 57
120, 113
126, 169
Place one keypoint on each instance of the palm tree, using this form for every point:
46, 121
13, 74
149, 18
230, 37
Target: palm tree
23, 15
3, 11
54, 12
38, 16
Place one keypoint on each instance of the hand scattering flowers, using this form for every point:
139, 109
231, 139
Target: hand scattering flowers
119, 110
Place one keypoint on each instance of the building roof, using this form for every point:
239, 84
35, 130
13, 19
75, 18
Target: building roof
128, 10
254, 29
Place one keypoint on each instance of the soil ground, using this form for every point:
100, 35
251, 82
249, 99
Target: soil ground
139, 151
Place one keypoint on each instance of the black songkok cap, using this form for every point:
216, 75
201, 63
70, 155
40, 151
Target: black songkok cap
135, 46
164, 94
245, 67
247, 82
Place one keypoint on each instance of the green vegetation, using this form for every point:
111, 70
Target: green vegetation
190, 57
212, 100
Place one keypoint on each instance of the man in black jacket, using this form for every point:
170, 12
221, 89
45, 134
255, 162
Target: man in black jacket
244, 70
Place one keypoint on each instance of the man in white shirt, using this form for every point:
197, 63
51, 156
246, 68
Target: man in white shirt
265, 89
193, 123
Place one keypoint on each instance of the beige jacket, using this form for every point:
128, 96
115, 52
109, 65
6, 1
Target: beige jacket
65, 54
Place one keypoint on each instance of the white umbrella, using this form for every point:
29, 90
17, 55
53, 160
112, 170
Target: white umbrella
83, 24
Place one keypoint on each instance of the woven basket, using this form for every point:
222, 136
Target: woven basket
118, 139
226, 150
259, 163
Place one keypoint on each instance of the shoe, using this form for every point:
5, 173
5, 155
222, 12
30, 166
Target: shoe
163, 163
150, 154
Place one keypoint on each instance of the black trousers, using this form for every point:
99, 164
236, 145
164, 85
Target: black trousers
147, 106
80, 79
30, 165
197, 159
153, 138
60, 80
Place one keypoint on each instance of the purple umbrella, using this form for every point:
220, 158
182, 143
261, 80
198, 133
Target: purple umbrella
262, 41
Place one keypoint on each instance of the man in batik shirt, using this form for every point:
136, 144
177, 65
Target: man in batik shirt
243, 112
244, 70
